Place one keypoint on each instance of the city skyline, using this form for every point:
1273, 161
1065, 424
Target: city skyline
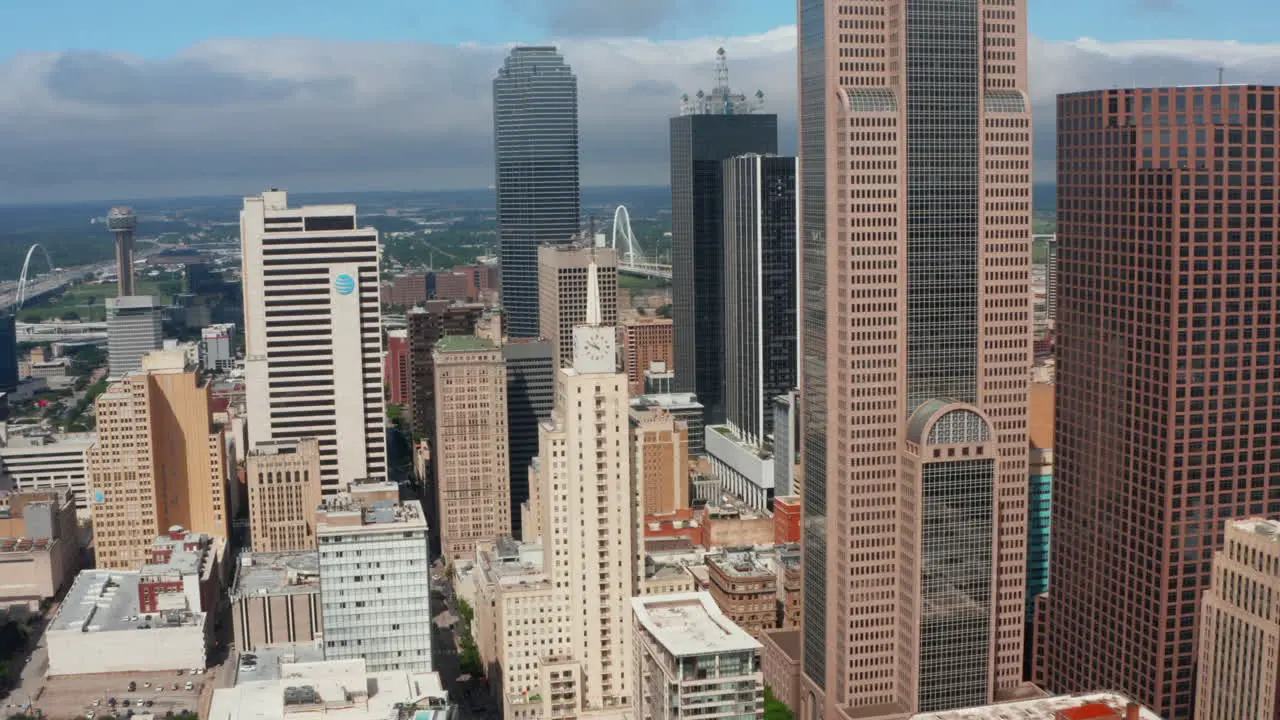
117, 119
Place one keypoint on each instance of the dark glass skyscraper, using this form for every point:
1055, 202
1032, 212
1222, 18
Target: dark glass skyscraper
700, 142
531, 393
759, 290
535, 137
8, 352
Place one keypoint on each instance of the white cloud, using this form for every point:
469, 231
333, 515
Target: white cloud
234, 115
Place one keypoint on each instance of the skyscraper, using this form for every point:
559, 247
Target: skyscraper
535, 138
760, 277
8, 351
1165, 404
915, 194
159, 461
531, 394
122, 223
313, 335
134, 328
718, 127
426, 325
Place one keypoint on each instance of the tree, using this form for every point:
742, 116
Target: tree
775, 709
464, 609
664, 311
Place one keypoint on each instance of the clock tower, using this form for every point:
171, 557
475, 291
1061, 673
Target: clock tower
594, 346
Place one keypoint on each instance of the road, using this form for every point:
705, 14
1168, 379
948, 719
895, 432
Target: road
474, 698
30, 679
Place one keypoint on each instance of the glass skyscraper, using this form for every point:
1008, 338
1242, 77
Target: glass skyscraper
8, 352
535, 137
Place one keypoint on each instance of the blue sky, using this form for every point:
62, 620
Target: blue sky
157, 28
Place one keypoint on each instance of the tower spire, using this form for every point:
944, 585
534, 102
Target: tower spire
593, 294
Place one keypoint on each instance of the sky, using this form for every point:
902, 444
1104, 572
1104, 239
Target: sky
139, 98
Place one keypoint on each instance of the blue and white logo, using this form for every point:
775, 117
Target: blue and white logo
344, 284
99, 496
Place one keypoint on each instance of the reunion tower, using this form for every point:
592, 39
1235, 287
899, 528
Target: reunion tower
122, 222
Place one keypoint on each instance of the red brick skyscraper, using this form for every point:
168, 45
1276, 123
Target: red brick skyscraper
1168, 414
915, 214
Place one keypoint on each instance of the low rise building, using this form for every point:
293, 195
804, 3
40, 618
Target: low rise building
693, 662
786, 519
275, 599
39, 552
39, 460
1085, 706
101, 628
283, 482
333, 690
744, 588
185, 571
743, 469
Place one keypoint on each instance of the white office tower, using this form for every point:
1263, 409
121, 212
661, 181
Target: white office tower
218, 347
313, 336
134, 329
693, 662
583, 513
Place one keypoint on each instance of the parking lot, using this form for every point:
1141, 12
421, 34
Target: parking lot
74, 696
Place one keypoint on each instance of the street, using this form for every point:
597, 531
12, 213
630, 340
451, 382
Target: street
474, 698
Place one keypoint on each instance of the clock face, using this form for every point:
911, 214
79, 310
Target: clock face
596, 349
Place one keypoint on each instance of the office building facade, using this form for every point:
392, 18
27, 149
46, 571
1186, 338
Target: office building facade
218, 347
760, 274
471, 456
283, 479
159, 461
1239, 626
313, 334
535, 138
1162, 373
8, 352
379, 612
660, 460
531, 394
134, 328
645, 342
562, 291
700, 143
395, 367
425, 325
915, 344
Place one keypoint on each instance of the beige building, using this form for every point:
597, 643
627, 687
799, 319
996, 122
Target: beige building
159, 462
283, 478
275, 599
582, 509
915, 228
562, 292
660, 460
1240, 626
39, 552
693, 662
471, 455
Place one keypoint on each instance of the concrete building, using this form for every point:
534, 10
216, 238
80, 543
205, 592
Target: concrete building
531, 387
159, 461
582, 505
682, 406
644, 342
760, 289
701, 140
313, 334
101, 628
133, 330
535, 138
471, 456
283, 480
660, 460
275, 599
744, 589
786, 444
425, 326
218, 347
395, 367
409, 290
380, 612
333, 690
1240, 626
741, 468
693, 662
185, 571
915, 346
39, 550
562, 292
1190, 151
47, 461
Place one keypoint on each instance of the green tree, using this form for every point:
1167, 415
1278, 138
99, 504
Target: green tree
664, 310
775, 709
464, 609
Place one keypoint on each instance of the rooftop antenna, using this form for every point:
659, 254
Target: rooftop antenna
722, 71
1221, 70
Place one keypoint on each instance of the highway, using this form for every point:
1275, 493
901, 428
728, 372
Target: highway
46, 285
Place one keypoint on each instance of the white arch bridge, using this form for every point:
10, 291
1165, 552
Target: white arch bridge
632, 259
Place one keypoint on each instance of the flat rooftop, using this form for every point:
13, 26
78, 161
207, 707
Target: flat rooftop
105, 601
1269, 529
277, 573
463, 343
1044, 709
689, 624
344, 515
738, 563
667, 401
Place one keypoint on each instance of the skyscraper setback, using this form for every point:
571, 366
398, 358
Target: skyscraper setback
719, 127
1166, 411
313, 335
915, 191
535, 137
